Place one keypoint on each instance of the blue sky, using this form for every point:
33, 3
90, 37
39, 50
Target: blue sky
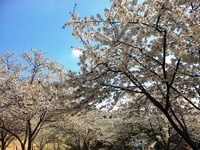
26, 24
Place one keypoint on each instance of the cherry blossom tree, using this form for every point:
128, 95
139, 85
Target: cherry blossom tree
31, 92
8, 73
148, 53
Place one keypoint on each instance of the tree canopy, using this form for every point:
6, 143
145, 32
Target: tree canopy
148, 53
32, 92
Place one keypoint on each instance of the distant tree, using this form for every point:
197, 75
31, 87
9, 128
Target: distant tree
99, 129
77, 131
116, 130
42, 139
148, 50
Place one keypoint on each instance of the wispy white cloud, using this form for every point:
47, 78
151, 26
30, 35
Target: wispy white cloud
76, 53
